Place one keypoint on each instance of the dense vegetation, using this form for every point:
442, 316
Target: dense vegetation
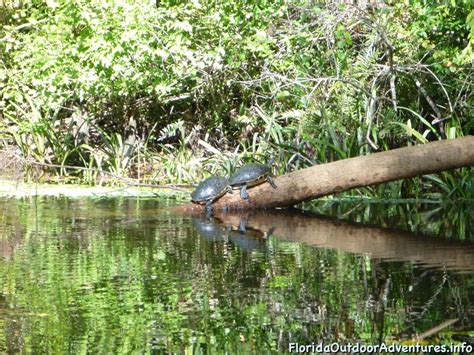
170, 91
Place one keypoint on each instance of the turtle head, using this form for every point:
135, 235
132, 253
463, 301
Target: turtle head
271, 161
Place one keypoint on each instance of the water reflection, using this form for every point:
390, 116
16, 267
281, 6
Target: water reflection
128, 276
248, 240
305, 227
209, 229
241, 235
450, 219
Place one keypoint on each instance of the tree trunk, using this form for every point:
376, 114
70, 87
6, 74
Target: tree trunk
342, 175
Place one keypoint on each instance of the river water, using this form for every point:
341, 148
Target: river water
123, 275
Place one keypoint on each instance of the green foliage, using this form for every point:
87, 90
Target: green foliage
192, 88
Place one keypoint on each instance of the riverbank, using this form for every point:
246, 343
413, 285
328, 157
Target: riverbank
14, 189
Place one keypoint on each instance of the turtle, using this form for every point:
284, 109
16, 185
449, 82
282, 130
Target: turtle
250, 175
209, 190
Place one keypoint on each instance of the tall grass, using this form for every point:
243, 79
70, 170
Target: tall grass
303, 83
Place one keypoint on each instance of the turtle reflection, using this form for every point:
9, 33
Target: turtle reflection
242, 236
209, 229
247, 238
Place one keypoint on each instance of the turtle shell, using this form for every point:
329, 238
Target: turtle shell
245, 242
210, 189
249, 174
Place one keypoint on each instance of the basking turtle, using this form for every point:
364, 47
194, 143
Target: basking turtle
250, 175
210, 190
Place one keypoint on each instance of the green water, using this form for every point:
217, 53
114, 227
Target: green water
119, 275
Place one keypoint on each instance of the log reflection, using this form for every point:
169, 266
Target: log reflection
297, 226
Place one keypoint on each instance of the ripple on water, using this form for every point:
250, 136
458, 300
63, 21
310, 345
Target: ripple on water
117, 276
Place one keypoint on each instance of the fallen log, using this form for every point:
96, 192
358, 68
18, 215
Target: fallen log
342, 175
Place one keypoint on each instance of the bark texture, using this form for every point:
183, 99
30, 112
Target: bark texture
342, 175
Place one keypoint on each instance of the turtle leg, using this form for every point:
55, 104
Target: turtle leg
208, 208
270, 180
229, 189
242, 225
269, 233
243, 192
